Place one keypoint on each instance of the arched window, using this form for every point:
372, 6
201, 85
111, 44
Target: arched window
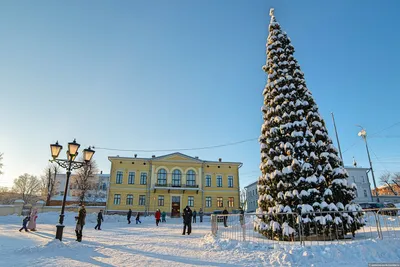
191, 178
162, 177
176, 178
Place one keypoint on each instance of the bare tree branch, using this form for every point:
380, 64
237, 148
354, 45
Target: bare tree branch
49, 181
27, 186
1, 164
396, 179
385, 178
86, 179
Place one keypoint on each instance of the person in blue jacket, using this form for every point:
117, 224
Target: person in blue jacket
24, 223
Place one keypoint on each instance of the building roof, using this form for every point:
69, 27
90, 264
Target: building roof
355, 168
175, 154
251, 184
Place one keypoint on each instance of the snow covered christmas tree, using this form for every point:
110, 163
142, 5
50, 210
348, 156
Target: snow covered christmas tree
301, 170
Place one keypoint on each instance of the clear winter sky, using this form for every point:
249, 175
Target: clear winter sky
181, 74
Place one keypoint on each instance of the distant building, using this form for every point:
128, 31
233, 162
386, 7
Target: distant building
385, 190
251, 197
359, 176
96, 196
356, 175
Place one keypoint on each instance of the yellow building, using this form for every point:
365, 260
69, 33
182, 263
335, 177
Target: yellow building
171, 182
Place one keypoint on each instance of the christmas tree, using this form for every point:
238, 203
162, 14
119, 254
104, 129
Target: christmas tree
303, 180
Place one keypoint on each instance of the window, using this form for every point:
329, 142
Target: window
356, 191
131, 178
104, 187
176, 178
208, 202
119, 177
219, 181
143, 178
365, 193
230, 181
208, 180
129, 200
190, 201
162, 177
160, 200
219, 202
354, 178
230, 202
363, 179
117, 199
62, 193
190, 178
142, 200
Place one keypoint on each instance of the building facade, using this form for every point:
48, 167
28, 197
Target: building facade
171, 182
357, 175
251, 197
97, 195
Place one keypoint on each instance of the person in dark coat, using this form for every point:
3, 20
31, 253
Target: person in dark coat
24, 223
201, 213
129, 216
163, 215
187, 220
138, 218
225, 217
80, 222
99, 220
194, 216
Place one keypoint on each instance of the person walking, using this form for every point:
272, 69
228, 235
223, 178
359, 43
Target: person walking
187, 220
225, 217
80, 222
129, 216
157, 215
24, 223
163, 215
194, 216
201, 213
32, 221
99, 220
138, 218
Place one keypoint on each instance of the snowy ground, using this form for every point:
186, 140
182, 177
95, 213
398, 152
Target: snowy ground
119, 244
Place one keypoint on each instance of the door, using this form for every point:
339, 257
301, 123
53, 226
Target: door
176, 207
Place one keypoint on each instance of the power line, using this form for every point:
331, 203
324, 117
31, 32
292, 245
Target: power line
217, 146
394, 124
178, 149
373, 135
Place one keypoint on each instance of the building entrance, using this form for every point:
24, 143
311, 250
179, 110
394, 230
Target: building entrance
176, 207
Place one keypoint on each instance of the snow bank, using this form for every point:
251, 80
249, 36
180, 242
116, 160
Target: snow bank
345, 254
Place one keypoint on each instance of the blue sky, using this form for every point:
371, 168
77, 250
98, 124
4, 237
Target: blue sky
182, 74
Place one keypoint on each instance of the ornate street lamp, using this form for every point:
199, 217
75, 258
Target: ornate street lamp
69, 164
363, 134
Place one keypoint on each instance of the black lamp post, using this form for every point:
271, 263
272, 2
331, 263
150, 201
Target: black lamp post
69, 164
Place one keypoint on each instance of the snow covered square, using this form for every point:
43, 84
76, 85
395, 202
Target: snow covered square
120, 244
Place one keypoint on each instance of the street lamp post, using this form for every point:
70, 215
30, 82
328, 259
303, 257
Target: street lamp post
363, 134
69, 164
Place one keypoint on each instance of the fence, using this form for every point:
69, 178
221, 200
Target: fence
378, 224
